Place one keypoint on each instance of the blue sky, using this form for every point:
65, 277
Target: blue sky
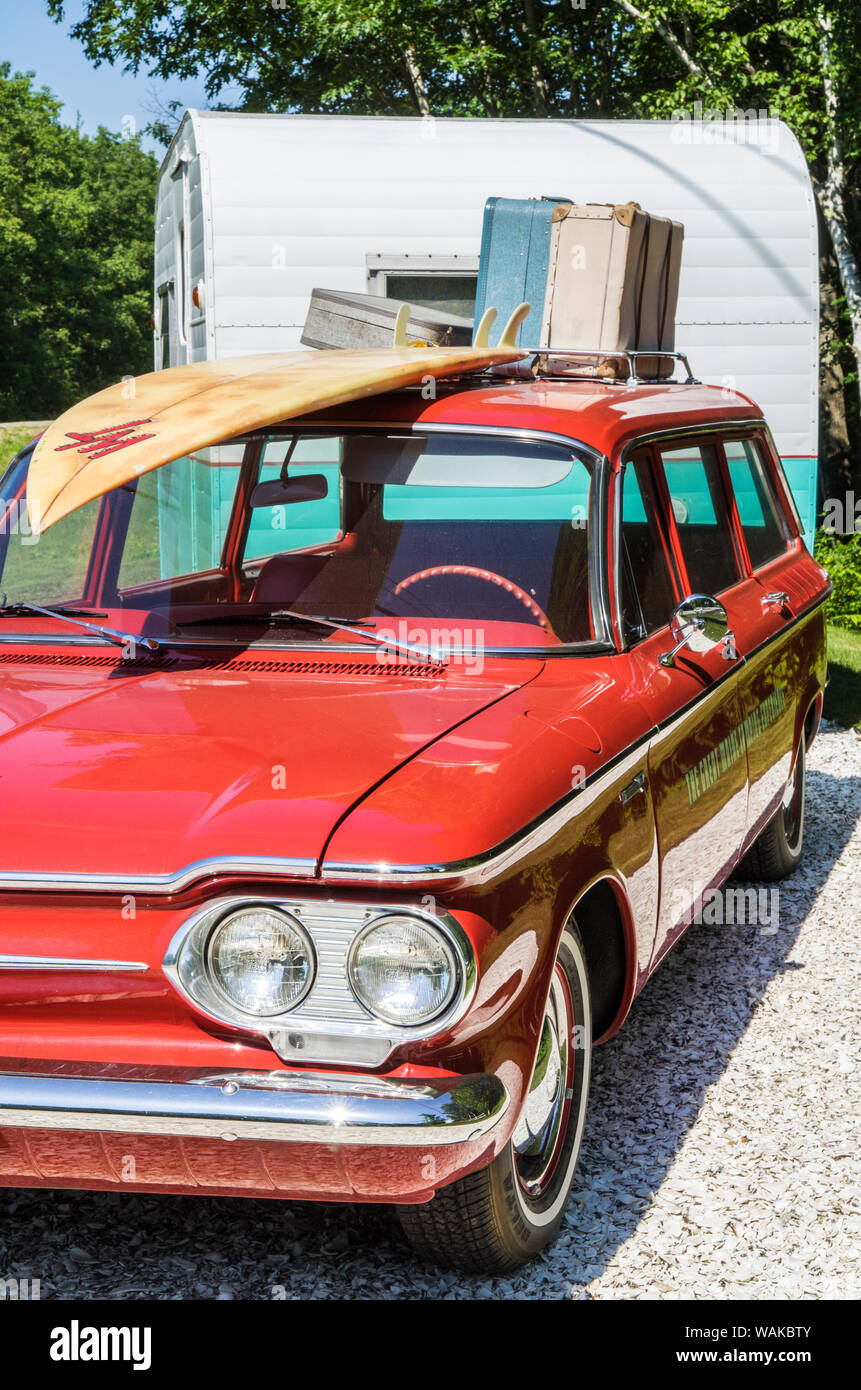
32, 42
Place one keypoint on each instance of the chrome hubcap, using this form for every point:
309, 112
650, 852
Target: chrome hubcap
537, 1136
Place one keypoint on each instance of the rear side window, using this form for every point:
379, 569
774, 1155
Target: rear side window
758, 510
648, 595
701, 516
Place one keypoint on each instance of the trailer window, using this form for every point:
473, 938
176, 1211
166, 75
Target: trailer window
450, 294
446, 282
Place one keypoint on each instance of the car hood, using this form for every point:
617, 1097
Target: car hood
109, 770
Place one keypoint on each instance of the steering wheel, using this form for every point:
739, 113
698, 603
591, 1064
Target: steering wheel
488, 576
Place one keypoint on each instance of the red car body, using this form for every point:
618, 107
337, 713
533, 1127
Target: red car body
506, 799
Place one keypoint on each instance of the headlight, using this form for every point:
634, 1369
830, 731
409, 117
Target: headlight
402, 970
261, 959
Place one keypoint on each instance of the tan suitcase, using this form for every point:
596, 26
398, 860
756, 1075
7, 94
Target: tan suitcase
613, 282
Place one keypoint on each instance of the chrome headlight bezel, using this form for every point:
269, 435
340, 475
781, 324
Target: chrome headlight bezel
436, 930
320, 1027
211, 969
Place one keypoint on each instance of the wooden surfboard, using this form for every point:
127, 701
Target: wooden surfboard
137, 425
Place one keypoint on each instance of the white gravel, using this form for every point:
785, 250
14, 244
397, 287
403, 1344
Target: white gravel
721, 1158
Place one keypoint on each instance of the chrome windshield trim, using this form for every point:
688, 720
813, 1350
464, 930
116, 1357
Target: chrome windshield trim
303, 644
158, 884
69, 963
309, 1109
570, 441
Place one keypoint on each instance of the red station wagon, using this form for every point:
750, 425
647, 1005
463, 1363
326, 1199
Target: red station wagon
358, 770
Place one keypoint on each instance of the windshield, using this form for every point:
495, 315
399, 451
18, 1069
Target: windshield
459, 539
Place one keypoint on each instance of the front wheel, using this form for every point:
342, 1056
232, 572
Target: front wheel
498, 1218
777, 849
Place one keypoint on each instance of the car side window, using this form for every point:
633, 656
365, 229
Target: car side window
758, 510
701, 516
647, 590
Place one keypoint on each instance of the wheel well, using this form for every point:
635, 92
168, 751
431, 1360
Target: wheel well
599, 919
812, 721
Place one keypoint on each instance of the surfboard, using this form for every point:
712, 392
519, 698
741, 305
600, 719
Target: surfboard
144, 422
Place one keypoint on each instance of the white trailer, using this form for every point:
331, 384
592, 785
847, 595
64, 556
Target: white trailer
253, 212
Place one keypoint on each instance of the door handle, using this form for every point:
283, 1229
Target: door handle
776, 599
636, 784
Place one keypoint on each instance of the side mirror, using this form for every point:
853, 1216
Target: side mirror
700, 623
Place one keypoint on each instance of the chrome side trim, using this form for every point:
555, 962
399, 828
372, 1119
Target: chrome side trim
480, 868
69, 963
462, 872
290, 1108
146, 884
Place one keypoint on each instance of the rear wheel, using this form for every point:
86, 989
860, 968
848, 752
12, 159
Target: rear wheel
777, 849
496, 1219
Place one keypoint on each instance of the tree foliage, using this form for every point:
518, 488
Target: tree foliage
75, 254
556, 58
493, 57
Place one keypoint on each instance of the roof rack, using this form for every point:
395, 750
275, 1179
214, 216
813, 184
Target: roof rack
604, 365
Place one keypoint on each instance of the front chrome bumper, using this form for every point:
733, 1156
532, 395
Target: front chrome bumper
322, 1108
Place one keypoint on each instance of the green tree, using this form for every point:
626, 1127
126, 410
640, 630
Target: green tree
800, 59
75, 254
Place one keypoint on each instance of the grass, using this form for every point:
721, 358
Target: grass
843, 695
11, 441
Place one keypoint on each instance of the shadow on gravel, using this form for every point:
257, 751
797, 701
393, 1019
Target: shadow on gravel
648, 1087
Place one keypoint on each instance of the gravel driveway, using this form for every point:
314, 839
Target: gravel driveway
720, 1159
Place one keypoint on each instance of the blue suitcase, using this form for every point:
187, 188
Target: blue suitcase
515, 256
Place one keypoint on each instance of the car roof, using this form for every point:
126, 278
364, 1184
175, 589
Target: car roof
605, 415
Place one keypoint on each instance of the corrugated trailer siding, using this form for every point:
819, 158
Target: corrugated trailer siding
301, 201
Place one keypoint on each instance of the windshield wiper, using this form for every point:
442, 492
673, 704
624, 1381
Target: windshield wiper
277, 616
111, 634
